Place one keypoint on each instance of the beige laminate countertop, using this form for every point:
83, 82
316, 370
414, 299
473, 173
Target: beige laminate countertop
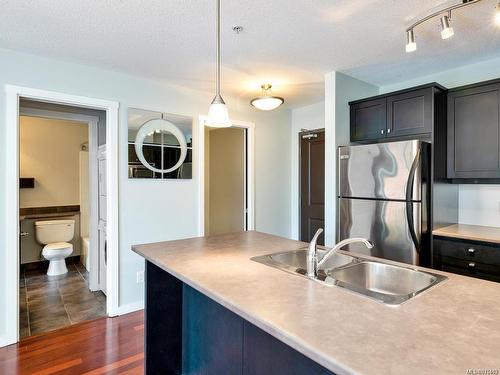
448, 329
470, 232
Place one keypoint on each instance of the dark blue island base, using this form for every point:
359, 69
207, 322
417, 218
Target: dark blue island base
188, 333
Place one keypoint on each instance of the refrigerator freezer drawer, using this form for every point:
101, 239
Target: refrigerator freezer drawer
394, 227
381, 171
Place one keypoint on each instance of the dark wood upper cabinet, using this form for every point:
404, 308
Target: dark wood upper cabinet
405, 114
368, 120
410, 113
474, 132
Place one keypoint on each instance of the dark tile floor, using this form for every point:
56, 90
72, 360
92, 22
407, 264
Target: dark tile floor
52, 302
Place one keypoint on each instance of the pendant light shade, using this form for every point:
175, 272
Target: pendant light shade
267, 102
218, 115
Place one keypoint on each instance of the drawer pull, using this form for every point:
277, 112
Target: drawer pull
472, 265
471, 251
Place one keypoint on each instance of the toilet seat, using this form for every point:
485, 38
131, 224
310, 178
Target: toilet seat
58, 246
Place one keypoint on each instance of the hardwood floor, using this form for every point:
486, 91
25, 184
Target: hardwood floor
102, 346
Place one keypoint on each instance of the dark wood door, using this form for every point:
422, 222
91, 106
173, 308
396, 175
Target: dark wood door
312, 184
473, 132
368, 120
410, 113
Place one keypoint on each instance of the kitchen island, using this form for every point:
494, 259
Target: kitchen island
211, 309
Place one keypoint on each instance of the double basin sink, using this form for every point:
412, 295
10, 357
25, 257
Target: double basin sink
384, 282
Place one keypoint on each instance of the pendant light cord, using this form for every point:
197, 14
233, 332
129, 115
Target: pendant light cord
217, 71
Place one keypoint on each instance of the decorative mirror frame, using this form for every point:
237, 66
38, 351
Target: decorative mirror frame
163, 125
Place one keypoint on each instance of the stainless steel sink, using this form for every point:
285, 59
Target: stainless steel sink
383, 282
295, 262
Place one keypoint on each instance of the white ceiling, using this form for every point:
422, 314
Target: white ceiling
290, 43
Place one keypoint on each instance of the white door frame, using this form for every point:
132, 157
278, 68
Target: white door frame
250, 183
92, 122
11, 265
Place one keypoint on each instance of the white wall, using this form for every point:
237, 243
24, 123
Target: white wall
477, 204
154, 210
340, 89
308, 117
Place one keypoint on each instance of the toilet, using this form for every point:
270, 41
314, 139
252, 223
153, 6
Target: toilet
55, 234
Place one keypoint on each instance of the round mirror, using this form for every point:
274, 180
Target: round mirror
158, 126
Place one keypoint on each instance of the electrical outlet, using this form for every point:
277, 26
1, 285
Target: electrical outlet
140, 277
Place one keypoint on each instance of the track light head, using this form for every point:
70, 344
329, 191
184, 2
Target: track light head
411, 46
446, 29
497, 15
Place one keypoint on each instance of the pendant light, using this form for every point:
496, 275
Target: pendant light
218, 115
267, 102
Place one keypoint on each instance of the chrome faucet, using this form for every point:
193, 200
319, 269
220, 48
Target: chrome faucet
312, 254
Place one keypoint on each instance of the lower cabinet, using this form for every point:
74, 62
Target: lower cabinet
470, 258
189, 333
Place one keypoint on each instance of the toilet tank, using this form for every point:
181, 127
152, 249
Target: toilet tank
51, 231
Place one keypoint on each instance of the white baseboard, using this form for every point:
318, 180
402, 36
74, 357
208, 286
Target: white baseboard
130, 307
4, 341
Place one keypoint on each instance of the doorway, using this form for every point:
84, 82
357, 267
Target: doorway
16, 96
226, 178
59, 194
312, 184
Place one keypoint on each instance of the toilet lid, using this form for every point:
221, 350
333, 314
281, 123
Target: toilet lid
58, 246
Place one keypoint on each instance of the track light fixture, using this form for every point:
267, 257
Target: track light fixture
446, 29
445, 17
497, 15
411, 45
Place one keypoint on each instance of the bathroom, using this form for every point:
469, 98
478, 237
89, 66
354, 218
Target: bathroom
62, 216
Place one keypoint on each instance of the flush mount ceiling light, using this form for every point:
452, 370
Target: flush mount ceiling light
218, 115
267, 102
445, 17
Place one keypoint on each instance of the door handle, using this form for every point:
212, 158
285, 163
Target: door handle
409, 203
24, 234
309, 136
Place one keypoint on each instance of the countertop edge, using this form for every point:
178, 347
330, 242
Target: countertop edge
467, 232
312, 353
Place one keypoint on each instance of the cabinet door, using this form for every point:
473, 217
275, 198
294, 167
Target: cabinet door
410, 113
368, 120
473, 132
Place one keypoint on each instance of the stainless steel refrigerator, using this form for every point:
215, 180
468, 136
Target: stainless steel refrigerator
384, 196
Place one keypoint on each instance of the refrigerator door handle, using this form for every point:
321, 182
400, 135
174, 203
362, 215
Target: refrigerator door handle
411, 225
411, 176
409, 204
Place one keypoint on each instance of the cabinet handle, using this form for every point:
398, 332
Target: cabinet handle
388, 131
471, 251
382, 131
472, 265
24, 234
